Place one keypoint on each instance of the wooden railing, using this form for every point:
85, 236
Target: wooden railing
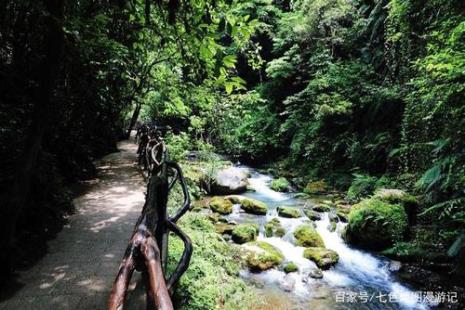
147, 251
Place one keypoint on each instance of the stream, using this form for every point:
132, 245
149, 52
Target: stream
360, 280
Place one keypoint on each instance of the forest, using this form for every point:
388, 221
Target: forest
354, 107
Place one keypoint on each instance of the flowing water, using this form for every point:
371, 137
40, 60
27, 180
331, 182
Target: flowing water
359, 280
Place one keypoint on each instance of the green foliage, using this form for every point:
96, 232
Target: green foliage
280, 185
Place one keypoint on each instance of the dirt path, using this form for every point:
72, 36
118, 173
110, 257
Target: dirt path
81, 264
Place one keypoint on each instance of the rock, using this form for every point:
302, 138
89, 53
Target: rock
375, 224
290, 267
394, 266
223, 228
289, 212
262, 256
332, 226
214, 217
254, 206
312, 215
221, 205
316, 188
342, 216
274, 228
321, 208
280, 185
323, 258
397, 196
243, 233
315, 273
307, 236
287, 283
227, 181
235, 199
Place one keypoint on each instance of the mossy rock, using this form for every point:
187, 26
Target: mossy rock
406, 252
254, 206
316, 188
289, 212
235, 199
274, 228
397, 196
221, 205
321, 208
322, 257
280, 185
243, 233
312, 215
224, 228
307, 236
375, 224
214, 217
290, 267
342, 216
262, 256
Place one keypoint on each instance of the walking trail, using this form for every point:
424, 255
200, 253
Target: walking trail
82, 262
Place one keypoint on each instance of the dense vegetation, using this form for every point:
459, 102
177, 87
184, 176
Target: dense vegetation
362, 94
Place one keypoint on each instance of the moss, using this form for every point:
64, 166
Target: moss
211, 280
280, 185
221, 205
316, 188
254, 206
307, 236
243, 233
235, 199
262, 256
376, 224
323, 258
312, 215
224, 228
274, 228
290, 267
289, 212
321, 208
342, 216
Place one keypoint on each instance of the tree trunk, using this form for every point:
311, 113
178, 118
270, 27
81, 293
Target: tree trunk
134, 118
21, 185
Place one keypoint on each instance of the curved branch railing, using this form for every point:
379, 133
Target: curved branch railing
147, 251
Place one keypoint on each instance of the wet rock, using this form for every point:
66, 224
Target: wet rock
290, 267
274, 228
394, 266
321, 208
223, 228
315, 273
214, 217
254, 206
322, 257
316, 188
342, 216
307, 236
262, 256
312, 215
235, 199
221, 205
289, 212
287, 283
243, 233
227, 181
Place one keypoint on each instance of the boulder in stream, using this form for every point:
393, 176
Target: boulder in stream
280, 185
274, 228
307, 236
224, 228
262, 256
290, 267
322, 257
254, 206
376, 224
321, 208
226, 181
312, 215
289, 212
243, 233
221, 205
315, 273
